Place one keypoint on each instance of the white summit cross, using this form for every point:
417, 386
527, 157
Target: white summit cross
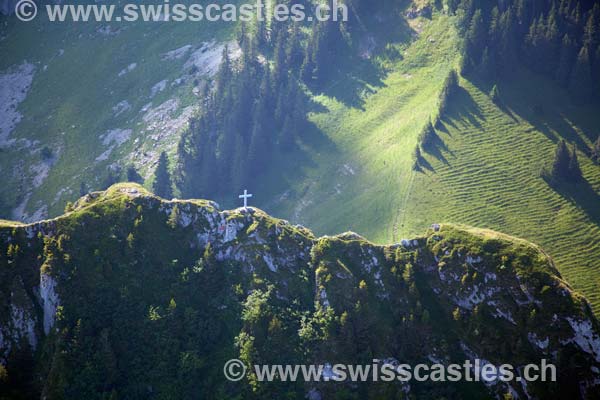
245, 196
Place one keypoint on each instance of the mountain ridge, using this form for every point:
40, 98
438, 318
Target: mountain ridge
132, 275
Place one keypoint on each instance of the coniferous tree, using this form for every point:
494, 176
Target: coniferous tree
581, 84
575, 173
488, 64
223, 79
476, 37
308, 67
591, 35
280, 65
452, 6
506, 54
417, 156
596, 150
294, 50
208, 169
448, 89
566, 60
466, 61
596, 72
320, 52
428, 137
495, 95
552, 42
561, 166
133, 175
238, 171
162, 178
212, 273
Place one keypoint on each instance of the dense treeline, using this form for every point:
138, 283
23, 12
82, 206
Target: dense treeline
256, 106
559, 39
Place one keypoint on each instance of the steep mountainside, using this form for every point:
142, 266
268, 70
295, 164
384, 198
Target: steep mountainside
486, 172
351, 165
133, 296
82, 101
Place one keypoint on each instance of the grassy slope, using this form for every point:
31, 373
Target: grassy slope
70, 102
374, 136
489, 175
486, 174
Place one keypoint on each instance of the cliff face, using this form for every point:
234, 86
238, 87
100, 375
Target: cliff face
133, 296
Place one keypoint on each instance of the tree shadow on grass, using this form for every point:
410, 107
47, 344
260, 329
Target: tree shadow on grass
580, 194
540, 102
287, 167
357, 73
547, 119
462, 107
438, 147
423, 165
353, 80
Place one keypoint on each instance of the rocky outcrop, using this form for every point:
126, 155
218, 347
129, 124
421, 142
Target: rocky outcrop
50, 300
495, 298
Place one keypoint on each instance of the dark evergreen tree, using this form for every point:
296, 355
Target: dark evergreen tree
591, 31
280, 64
596, 150
466, 61
162, 178
495, 95
307, 71
452, 6
428, 137
581, 85
506, 55
133, 175
417, 156
561, 166
294, 50
476, 37
448, 90
239, 165
223, 79
566, 60
575, 174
